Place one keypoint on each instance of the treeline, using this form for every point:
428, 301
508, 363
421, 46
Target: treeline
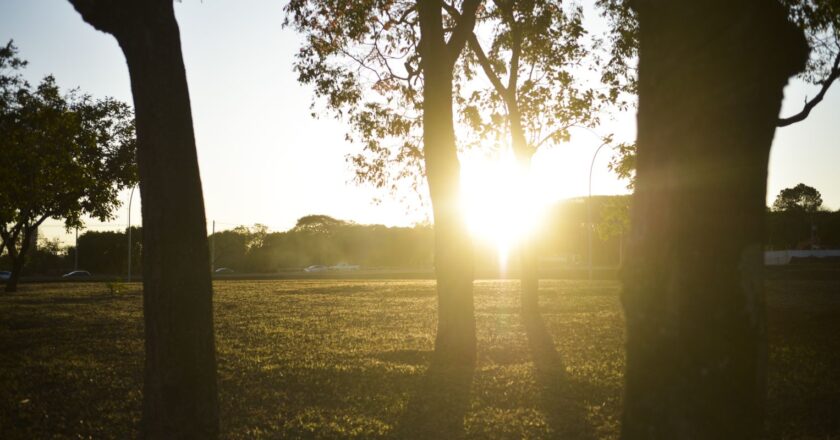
803, 230
320, 239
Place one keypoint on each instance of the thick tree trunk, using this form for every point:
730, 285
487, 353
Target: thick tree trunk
456, 339
179, 393
711, 76
18, 257
17, 268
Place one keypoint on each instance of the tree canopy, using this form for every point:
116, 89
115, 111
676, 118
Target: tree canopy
818, 19
72, 154
800, 198
533, 55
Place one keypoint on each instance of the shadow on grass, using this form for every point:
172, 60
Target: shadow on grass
86, 299
437, 407
561, 398
406, 357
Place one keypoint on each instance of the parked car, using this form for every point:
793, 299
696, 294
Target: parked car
5, 275
77, 274
345, 266
224, 270
316, 268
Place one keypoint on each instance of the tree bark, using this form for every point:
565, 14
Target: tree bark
179, 394
18, 257
711, 76
456, 338
528, 258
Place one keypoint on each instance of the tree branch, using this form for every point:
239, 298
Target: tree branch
809, 105
484, 62
515, 53
464, 28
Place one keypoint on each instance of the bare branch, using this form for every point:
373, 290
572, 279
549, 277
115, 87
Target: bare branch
809, 105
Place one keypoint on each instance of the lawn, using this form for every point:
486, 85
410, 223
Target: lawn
349, 359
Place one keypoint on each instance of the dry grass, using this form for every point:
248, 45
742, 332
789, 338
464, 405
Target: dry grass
327, 359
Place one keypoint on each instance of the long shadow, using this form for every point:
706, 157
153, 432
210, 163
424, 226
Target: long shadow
438, 405
561, 398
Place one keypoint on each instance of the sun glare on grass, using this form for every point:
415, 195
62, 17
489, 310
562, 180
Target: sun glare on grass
502, 201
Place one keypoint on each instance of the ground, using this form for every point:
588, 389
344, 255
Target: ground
349, 359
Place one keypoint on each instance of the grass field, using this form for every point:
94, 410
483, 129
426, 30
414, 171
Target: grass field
349, 359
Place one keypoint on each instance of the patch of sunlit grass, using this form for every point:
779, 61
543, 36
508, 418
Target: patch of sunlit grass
343, 359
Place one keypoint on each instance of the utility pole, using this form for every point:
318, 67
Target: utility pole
76, 253
213, 248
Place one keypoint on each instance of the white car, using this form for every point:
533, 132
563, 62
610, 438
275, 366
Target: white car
77, 274
316, 268
345, 266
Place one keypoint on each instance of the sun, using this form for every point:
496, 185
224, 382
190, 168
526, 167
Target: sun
501, 200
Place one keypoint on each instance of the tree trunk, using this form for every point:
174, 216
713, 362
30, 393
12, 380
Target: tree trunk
17, 268
456, 339
18, 257
179, 393
528, 258
711, 76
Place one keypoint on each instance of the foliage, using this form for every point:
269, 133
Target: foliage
343, 359
362, 59
319, 239
614, 218
536, 55
820, 19
318, 223
105, 252
793, 230
801, 198
72, 154
623, 163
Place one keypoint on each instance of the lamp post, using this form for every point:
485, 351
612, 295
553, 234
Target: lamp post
589, 206
130, 198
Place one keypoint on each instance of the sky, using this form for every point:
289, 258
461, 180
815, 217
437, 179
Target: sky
265, 159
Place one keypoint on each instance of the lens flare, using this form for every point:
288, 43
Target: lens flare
501, 201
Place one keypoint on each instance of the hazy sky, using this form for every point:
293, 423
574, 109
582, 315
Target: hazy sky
264, 159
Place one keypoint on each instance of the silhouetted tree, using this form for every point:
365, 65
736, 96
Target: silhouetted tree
318, 223
711, 76
800, 198
534, 59
367, 60
180, 398
66, 155
105, 252
819, 19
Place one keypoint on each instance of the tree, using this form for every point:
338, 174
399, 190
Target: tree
71, 154
105, 252
318, 223
180, 398
818, 19
801, 198
693, 280
387, 67
536, 51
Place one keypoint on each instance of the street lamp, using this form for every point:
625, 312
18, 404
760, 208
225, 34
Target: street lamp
589, 206
130, 198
